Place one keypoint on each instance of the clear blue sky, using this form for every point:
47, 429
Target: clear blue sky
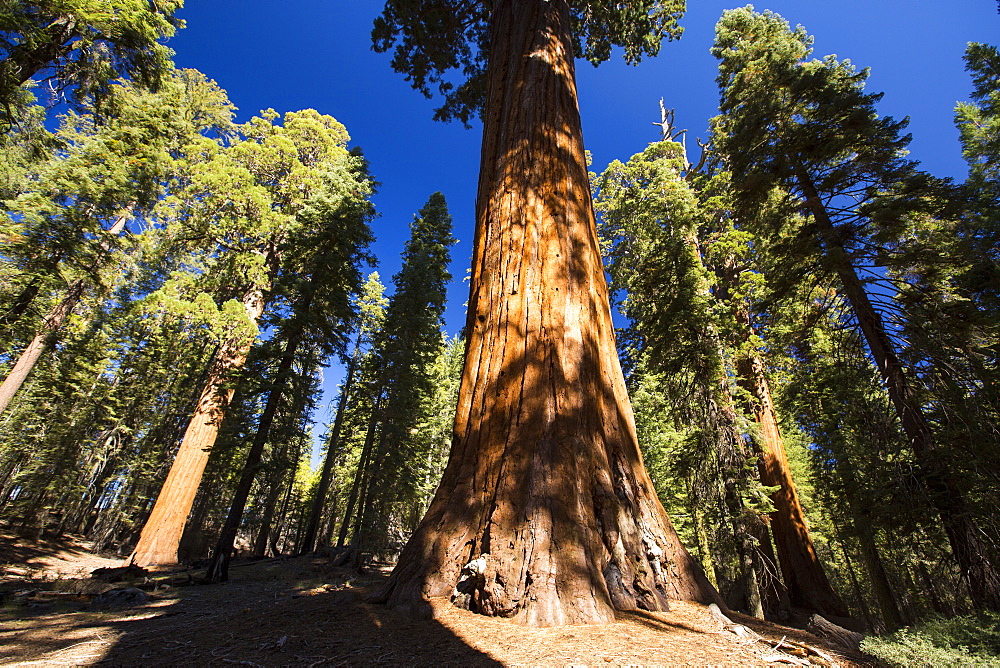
316, 54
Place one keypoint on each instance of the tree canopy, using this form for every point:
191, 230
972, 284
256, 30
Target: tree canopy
82, 46
441, 46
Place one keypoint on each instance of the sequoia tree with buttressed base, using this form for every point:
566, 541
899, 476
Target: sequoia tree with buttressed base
545, 512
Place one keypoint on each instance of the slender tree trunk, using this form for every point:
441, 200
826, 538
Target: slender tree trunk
745, 524
976, 560
807, 584
21, 303
545, 496
774, 592
701, 538
852, 575
53, 322
877, 576
275, 537
359, 476
86, 514
162, 532
26, 362
270, 502
316, 512
270, 506
218, 568
361, 538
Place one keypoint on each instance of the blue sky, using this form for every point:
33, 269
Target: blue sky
316, 54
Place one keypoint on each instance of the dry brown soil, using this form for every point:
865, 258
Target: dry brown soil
303, 612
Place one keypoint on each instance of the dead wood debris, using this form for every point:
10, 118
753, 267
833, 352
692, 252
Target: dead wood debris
849, 640
792, 652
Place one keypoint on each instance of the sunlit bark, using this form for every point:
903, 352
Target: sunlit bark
161, 535
805, 580
545, 496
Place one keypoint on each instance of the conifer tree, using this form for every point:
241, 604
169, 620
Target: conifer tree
243, 201
674, 252
82, 45
107, 174
860, 461
807, 126
370, 305
321, 272
545, 474
403, 351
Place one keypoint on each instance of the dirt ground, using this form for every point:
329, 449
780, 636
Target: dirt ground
303, 612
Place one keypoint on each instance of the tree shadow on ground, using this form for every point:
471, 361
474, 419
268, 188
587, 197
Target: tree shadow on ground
29, 552
657, 623
268, 614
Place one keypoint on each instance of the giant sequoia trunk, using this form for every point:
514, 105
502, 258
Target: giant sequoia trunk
545, 503
976, 560
807, 584
161, 535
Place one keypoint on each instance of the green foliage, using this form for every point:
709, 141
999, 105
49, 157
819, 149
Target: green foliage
82, 45
979, 121
786, 120
21, 150
971, 640
74, 210
436, 42
979, 127
901, 248
180, 222
401, 373
673, 251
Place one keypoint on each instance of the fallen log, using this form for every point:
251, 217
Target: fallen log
845, 638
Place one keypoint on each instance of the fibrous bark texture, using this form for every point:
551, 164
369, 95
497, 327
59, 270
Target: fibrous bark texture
545, 512
807, 584
162, 532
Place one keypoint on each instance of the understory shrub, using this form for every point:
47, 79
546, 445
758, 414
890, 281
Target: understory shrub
968, 640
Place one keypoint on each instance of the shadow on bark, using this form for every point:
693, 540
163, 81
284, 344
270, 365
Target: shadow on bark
545, 512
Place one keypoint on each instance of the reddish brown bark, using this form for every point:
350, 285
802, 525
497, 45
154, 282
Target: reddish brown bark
545, 487
805, 580
218, 566
53, 322
26, 362
161, 535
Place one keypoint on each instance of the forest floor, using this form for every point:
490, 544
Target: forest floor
304, 612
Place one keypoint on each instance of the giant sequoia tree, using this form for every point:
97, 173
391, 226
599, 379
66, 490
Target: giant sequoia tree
545, 512
242, 207
673, 247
